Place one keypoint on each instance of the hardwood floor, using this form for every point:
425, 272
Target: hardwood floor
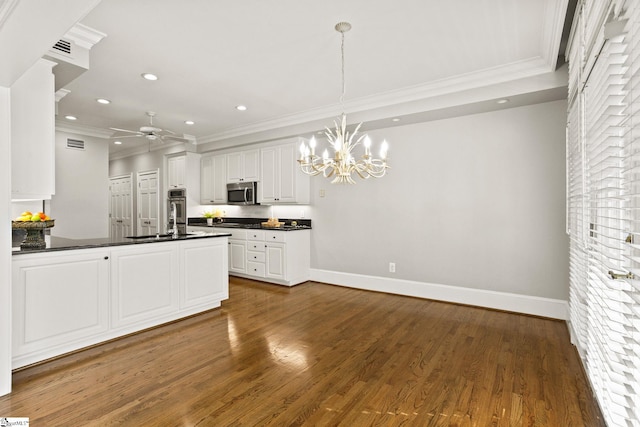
318, 355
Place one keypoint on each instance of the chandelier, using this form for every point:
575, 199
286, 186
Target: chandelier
343, 164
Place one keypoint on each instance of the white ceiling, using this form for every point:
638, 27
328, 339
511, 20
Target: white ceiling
281, 58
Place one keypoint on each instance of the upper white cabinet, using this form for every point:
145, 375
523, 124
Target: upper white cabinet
183, 171
33, 133
243, 166
176, 171
213, 179
281, 179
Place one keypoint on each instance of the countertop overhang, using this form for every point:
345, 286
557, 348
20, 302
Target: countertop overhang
63, 244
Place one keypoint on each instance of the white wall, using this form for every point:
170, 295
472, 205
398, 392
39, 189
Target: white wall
5, 242
474, 202
80, 205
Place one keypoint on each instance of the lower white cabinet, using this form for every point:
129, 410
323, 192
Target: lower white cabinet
66, 300
276, 256
58, 301
204, 277
145, 284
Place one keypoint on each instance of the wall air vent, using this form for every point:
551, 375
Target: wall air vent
63, 46
75, 144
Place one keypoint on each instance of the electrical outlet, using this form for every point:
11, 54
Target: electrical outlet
392, 267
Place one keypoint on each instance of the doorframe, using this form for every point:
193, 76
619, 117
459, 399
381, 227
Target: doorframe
160, 213
134, 224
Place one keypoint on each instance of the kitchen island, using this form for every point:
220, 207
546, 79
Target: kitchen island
78, 293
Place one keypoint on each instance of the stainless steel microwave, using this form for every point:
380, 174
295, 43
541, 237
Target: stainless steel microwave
242, 193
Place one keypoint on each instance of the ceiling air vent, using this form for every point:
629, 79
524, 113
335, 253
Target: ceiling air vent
76, 144
63, 46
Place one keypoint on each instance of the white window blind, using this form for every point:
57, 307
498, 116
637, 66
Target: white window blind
603, 197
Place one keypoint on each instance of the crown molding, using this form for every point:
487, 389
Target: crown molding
464, 82
556, 11
121, 154
6, 8
84, 36
64, 126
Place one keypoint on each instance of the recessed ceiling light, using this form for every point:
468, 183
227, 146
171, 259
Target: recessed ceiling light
241, 107
395, 119
117, 142
103, 101
71, 117
149, 76
189, 122
502, 101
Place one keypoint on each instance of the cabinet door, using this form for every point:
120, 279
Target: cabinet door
234, 167
176, 172
287, 169
269, 178
59, 303
145, 285
204, 274
275, 266
237, 256
213, 183
206, 180
33, 133
251, 165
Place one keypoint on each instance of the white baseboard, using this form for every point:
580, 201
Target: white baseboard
525, 304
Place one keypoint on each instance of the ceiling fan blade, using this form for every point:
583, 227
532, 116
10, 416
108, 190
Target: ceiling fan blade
127, 136
125, 130
174, 138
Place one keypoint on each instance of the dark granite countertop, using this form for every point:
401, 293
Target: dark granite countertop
252, 223
62, 244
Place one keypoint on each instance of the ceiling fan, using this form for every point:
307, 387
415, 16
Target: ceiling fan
152, 133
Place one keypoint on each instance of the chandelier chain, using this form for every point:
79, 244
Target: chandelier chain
343, 164
343, 80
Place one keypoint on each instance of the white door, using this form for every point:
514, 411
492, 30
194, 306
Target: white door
148, 203
121, 206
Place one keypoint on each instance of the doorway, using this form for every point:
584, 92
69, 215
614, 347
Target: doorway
121, 206
148, 203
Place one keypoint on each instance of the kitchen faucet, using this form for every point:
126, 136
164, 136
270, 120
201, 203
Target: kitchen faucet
174, 214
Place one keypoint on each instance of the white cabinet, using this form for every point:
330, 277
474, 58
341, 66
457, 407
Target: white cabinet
33, 133
145, 283
213, 179
275, 256
60, 302
275, 261
243, 166
281, 179
176, 177
204, 273
183, 171
66, 300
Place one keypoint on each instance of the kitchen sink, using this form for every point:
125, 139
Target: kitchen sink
159, 236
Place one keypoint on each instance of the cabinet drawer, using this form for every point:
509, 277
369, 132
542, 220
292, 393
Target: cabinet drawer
237, 234
255, 235
255, 256
255, 269
275, 236
255, 246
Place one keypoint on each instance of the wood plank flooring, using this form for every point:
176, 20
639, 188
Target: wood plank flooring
318, 355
